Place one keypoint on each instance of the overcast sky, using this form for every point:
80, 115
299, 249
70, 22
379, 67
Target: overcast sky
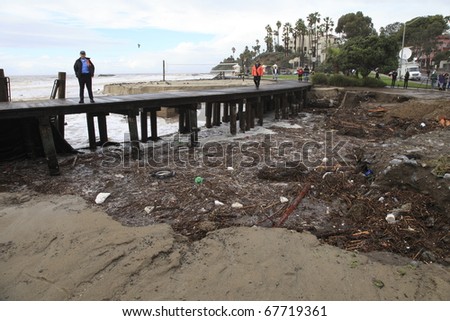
40, 37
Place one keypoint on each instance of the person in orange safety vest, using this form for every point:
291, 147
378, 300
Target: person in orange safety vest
257, 72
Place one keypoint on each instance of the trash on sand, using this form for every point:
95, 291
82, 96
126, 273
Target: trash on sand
230, 168
444, 121
379, 109
396, 213
198, 180
149, 209
163, 174
237, 205
283, 199
101, 198
378, 283
390, 218
218, 203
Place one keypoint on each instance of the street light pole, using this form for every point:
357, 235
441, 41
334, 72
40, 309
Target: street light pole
401, 54
403, 45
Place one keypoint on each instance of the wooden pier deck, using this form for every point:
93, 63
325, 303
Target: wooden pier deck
243, 103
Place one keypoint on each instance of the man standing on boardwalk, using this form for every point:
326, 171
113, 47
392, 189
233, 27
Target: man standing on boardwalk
84, 70
257, 72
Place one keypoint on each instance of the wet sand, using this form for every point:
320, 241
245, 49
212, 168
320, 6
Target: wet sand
61, 248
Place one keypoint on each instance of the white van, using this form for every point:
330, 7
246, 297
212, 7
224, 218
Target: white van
413, 68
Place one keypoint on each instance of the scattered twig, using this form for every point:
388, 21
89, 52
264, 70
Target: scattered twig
294, 205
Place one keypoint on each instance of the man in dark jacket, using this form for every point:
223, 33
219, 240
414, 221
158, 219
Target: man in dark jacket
84, 70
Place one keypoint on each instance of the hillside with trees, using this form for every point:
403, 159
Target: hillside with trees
352, 44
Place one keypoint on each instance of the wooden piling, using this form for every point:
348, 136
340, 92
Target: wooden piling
60, 124
216, 114
134, 136
48, 143
4, 91
208, 114
233, 117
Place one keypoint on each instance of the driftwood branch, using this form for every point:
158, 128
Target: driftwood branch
293, 205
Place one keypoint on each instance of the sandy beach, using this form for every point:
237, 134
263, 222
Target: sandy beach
57, 247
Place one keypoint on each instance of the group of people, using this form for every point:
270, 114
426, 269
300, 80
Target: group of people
394, 76
442, 80
258, 72
303, 73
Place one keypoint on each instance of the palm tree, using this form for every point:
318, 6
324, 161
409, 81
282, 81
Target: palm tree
269, 39
287, 30
313, 20
328, 25
301, 30
278, 32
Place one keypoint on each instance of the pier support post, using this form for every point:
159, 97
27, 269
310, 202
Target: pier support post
134, 136
4, 90
226, 112
153, 124
233, 118
193, 124
102, 128
45, 131
216, 114
61, 95
241, 115
208, 115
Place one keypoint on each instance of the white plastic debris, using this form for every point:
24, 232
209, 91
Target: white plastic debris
390, 218
218, 203
149, 209
101, 198
119, 176
283, 199
237, 205
422, 125
230, 168
326, 174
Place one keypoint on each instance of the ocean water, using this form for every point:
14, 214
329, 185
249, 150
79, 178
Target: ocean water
40, 88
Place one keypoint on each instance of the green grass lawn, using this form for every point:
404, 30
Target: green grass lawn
385, 78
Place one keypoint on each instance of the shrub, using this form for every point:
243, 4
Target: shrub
344, 81
373, 82
319, 79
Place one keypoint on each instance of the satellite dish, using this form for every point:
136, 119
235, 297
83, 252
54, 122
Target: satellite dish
405, 53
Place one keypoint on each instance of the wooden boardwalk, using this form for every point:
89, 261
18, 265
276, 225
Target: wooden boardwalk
243, 103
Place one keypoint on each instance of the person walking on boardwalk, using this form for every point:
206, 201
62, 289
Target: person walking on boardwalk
84, 70
257, 72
